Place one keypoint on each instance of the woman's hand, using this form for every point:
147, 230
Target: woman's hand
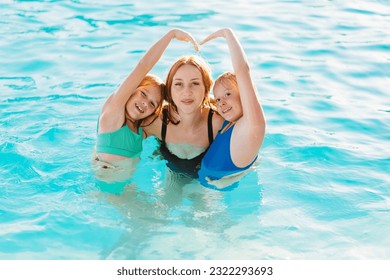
184, 36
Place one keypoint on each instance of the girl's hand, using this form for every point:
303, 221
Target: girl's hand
184, 36
220, 33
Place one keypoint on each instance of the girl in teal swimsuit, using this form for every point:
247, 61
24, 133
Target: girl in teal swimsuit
120, 132
237, 144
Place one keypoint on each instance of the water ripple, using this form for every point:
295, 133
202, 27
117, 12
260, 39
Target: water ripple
50, 98
323, 76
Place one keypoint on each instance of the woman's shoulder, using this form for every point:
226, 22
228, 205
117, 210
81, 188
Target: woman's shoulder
216, 121
152, 125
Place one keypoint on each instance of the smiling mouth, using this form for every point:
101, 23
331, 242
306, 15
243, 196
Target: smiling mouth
226, 110
139, 108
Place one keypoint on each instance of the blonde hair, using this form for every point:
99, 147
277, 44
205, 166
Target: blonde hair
205, 71
227, 79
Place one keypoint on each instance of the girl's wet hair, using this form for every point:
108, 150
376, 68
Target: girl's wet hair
151, 80
227, 79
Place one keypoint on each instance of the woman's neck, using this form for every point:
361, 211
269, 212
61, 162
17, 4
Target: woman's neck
193, 119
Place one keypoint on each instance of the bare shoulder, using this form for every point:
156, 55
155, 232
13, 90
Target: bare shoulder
217, 122
246, 141
252, 133
217, 119
152, 126
111, 118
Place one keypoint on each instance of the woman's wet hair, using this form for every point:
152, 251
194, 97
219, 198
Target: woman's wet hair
207, 80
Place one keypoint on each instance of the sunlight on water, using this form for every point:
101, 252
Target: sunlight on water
320, 191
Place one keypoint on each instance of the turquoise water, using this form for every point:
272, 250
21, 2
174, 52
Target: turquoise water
320, 191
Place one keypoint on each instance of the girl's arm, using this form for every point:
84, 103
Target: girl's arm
252, 110
113, 115
251, 126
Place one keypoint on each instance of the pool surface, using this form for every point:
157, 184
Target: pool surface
321, 189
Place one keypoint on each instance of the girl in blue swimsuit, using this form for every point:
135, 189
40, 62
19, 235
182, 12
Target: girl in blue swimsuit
120, 126
237, 144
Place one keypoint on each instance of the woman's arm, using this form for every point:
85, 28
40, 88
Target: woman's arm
115, 104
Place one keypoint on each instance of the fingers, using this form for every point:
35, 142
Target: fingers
186, 37
216, 34
196, 46
191, 39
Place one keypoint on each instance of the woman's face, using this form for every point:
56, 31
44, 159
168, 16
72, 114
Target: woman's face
228, 101
143, 102
187, 89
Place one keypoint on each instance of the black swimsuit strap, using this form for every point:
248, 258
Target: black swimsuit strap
210, 126
164, 125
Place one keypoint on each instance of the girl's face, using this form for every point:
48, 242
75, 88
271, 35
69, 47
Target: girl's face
228, 101
188, 90
143, 102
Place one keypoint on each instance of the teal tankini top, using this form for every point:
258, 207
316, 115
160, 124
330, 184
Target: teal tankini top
122, 142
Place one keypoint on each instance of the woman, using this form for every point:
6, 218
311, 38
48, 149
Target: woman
237, 144
188, 124
120, 132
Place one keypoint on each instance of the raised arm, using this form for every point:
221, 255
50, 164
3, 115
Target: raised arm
112, 115
146, 63
252, 111
251, 126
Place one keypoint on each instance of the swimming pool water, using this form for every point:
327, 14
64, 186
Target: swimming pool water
320, 191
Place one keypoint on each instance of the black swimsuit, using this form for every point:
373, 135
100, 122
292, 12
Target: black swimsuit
189, 167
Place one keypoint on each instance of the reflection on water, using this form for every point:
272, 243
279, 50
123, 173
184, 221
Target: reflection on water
179, 210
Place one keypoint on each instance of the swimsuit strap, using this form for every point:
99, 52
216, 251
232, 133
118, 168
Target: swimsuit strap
210, 126
164, 125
